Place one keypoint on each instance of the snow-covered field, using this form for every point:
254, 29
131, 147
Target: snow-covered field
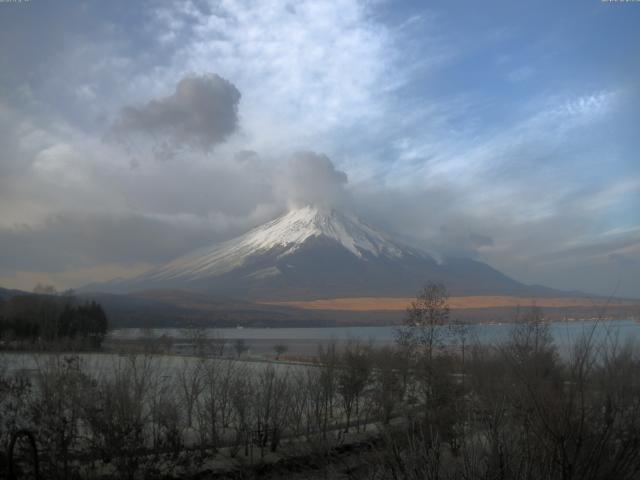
105, 364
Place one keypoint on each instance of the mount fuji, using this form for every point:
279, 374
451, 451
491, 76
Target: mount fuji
314, 252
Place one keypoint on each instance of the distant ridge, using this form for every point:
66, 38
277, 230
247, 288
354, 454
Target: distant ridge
6, 293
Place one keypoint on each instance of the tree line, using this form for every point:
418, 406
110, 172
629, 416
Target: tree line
50, 317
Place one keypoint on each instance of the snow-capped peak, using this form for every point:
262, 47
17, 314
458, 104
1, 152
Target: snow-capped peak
299, 225
284, 234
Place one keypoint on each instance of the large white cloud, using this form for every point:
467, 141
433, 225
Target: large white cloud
309, 178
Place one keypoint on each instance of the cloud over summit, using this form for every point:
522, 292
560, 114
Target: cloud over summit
311, 178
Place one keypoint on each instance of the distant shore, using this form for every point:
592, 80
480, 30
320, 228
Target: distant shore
364, 304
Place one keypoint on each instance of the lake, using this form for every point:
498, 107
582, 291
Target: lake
306, 340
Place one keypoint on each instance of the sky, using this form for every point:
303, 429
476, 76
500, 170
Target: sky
134, 132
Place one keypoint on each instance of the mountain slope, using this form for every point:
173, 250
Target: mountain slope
283, 236
316, 253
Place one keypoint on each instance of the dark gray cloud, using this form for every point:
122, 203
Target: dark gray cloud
201, 113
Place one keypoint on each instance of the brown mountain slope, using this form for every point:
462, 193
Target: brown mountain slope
364, 304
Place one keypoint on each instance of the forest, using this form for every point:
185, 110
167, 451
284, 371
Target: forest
47, 320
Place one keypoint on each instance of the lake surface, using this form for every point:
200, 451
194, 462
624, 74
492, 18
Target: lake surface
301, 339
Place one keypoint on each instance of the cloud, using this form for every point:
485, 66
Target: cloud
304, 68
566, 248
310, 178
625, 261
72, 278
171, 209
201, 113
456, 239
77, 240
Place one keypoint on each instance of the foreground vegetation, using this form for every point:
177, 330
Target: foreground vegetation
518, 410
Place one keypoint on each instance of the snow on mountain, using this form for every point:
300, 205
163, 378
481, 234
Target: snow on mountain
285, 234
316, 253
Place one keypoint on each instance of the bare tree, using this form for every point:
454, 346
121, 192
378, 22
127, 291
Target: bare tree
299, 421
215, 407
390, 372
197, 336
422, 338
426, 316
353, 377
271, 405
190, 381
148, 339
280, 349
240, 399
56, 411
322, 388
117, 415
218, 343
240, 346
